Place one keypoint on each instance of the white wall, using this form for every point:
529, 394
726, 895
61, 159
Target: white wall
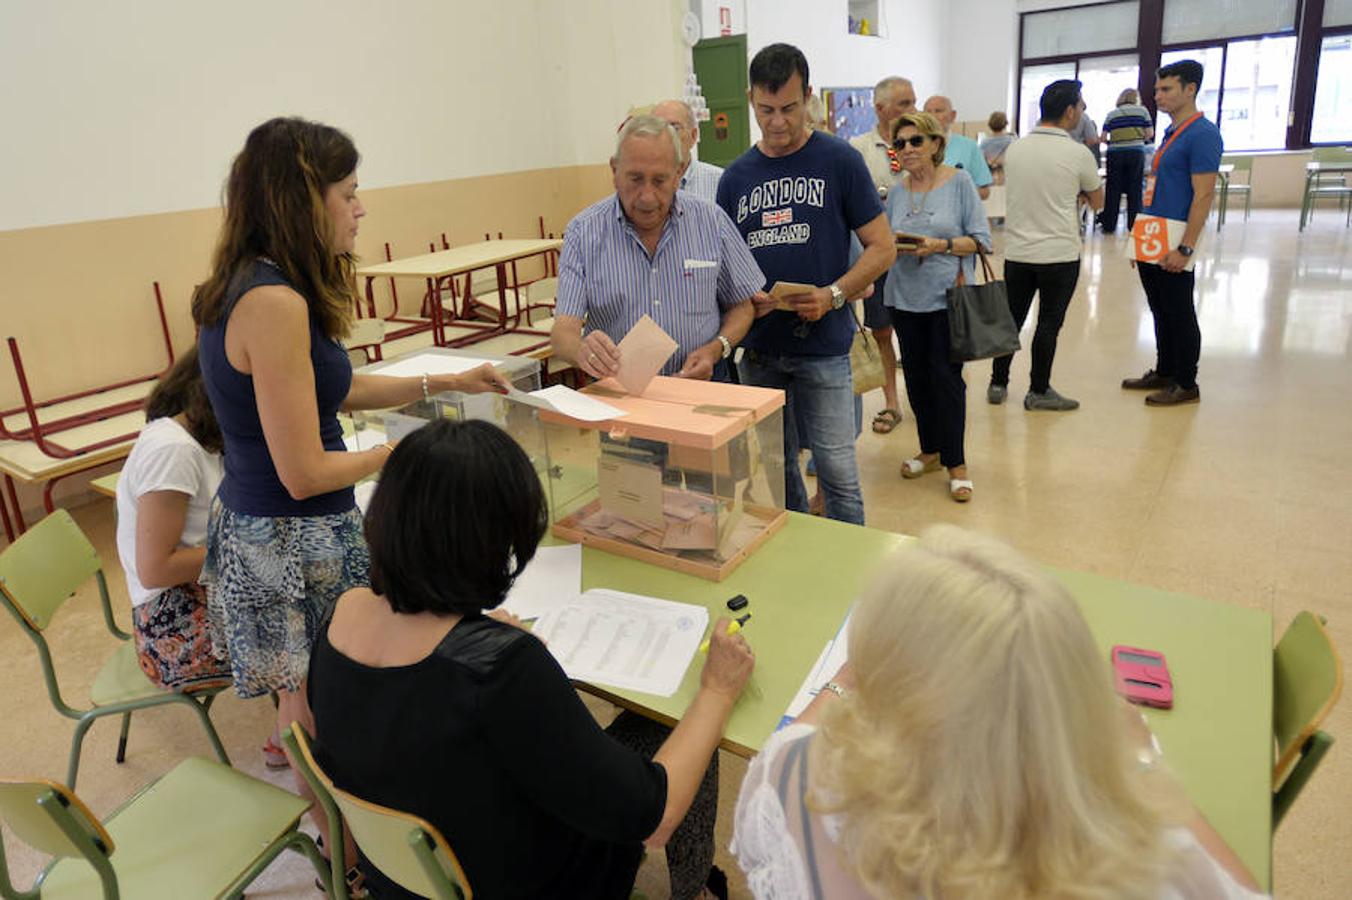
980, 50
125, 108
981, 53
913, 46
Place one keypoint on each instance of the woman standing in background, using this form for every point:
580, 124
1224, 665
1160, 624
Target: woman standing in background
994, 145
939, 206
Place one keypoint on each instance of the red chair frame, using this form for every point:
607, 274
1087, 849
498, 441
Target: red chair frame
40, 432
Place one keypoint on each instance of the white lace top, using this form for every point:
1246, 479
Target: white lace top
775, 837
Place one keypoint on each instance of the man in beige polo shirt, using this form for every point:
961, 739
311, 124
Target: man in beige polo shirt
893, 97
1047, 173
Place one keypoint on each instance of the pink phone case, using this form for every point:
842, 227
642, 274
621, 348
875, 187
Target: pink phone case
1141, 681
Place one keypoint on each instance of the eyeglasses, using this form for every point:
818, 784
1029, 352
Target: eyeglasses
915, 140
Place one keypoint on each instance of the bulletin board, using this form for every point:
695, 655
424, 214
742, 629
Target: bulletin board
849, 110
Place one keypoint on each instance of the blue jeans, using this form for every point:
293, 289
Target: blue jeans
818, 391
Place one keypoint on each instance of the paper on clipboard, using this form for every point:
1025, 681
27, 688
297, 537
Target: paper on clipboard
781, 289
624, 640
566, 401
1154, 236
643, 353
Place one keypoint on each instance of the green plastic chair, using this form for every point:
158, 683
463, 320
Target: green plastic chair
406, 848
1231, 186
202, 830
41, 571
1307, 678
1327, 185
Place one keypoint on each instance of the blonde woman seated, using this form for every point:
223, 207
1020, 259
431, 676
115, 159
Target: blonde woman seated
975, 749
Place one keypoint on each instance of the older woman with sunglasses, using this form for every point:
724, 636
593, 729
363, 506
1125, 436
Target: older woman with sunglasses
937, 208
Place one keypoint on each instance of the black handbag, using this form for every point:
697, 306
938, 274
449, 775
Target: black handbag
980, 325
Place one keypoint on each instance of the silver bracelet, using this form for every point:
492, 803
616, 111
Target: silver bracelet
833, 688
426, 395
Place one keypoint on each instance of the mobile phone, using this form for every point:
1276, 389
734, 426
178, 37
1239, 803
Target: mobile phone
1142, 676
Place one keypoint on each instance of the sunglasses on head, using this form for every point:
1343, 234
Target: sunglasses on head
915, 140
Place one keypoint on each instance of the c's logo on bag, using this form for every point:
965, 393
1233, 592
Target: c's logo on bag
1151, 235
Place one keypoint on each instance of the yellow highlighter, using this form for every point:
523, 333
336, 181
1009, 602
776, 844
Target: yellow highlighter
733, 627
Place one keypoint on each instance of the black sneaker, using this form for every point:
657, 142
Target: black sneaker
1150, 381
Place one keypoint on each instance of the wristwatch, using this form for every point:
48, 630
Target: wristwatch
837, 296
1185, 249
727, 345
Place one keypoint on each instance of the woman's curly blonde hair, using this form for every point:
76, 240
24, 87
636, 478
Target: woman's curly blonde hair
984, 752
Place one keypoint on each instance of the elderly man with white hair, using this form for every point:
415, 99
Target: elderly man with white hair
961, 151
699, 178
893, 97
651, 250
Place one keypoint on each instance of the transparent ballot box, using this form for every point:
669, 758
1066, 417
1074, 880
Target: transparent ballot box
516, 419
691, 478
523, 372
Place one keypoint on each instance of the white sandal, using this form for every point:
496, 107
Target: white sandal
915, 467
960, 489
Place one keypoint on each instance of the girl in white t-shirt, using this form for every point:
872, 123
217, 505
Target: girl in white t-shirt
972, 747
163, 495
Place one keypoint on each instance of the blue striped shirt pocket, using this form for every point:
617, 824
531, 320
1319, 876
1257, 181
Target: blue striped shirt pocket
699, 283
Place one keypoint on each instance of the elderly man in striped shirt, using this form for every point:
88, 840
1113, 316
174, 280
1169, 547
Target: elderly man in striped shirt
648, 250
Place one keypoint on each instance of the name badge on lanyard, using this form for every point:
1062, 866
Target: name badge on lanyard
1148, 195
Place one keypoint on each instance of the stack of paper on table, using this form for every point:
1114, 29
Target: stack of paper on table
624, 640
430, 363
833, 656
552, 578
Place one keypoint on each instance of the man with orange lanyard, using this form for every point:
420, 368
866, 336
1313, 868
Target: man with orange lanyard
1180, 186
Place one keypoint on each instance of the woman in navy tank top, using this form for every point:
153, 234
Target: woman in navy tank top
285, 536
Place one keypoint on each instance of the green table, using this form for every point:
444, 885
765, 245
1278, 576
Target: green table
1218, 738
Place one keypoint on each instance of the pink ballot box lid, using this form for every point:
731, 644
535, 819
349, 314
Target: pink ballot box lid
702, 414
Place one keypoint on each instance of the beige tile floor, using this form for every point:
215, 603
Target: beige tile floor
1246, 498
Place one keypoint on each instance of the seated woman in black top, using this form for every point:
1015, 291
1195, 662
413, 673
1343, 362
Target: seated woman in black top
423, 704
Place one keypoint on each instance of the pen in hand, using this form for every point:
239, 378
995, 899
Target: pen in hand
733, 627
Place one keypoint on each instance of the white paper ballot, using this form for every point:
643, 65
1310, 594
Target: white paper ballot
624, 640
833, 656
430, 364
566, 401
364, 492
552, 578
364, 439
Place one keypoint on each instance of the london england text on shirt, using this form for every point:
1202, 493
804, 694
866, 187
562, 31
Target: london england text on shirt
771, 200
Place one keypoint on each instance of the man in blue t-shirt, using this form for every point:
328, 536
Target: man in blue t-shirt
1179, 186
961, 152
795, 197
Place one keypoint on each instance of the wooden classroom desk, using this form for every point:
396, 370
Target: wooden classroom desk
1218, 738
442, 265
23, 461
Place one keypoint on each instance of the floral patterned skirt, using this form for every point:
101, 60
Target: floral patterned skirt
172, 641
269, 582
